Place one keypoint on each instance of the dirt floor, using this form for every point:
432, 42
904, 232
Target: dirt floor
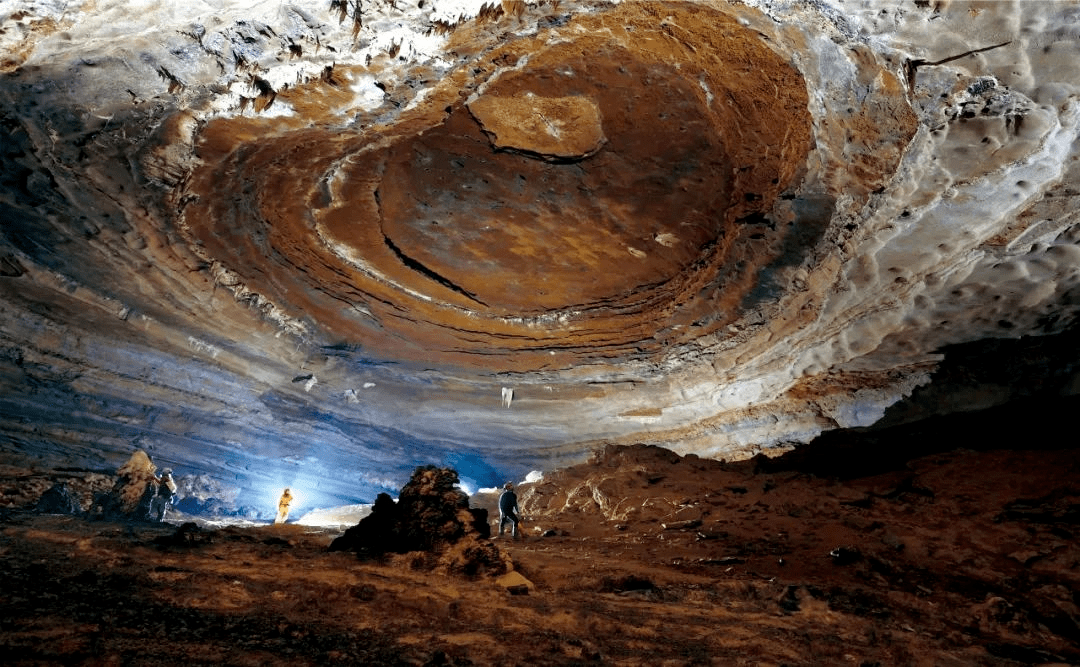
639, 558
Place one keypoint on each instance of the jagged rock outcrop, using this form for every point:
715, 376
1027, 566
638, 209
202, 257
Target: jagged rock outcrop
432, 515
623, 483
131, 495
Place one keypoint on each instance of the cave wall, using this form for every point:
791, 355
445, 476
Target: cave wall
316, 246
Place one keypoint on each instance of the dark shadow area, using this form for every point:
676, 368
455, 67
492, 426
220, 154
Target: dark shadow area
990, 394
123, 618
796, 240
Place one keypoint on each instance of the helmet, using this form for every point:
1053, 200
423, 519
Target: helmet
508, 485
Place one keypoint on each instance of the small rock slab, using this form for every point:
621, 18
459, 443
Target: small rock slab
515, 583
681, 525
553, 128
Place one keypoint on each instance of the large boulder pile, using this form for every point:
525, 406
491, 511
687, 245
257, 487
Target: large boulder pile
431, 517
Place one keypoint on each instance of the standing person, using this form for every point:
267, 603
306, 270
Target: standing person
283, 507
166, 491
508, 510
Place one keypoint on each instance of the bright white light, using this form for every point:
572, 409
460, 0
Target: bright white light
331, 517
297, 499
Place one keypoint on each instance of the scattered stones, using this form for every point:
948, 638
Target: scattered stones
1027, 557
187, 535
789, 600
363, 592
710, 535
1060, 506
893, 541
726, 560
630, 585
515, 583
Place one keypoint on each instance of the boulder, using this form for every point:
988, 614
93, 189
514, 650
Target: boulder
431, 516
59, 499
132, 492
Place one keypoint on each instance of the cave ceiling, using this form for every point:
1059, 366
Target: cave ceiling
321, 243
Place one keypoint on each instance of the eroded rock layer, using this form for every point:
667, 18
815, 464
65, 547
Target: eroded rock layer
481, 231
316, 246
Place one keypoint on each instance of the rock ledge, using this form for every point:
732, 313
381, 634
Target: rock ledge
552, 128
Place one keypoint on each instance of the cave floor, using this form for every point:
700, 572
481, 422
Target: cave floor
962, 558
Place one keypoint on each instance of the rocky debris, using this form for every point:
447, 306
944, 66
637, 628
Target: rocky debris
431, 516
59, 499
1059, 507
22, 488
947, 529
631, 585
364, 592
845, 555
626, 483
472, 556
188, 534
964, 590
688, 524
789, 602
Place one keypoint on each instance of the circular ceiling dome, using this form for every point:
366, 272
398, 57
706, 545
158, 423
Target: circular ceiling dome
581, 197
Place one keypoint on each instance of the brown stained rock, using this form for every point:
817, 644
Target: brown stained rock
431, 519
130, 496
558, 128
656, 148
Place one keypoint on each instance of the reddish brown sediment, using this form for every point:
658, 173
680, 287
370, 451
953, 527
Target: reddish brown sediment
639, 558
